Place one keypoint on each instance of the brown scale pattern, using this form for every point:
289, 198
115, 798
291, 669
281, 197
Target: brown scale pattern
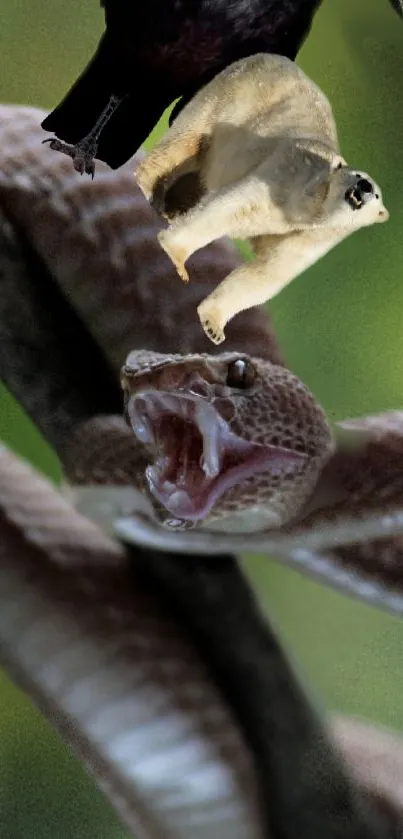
105, 661
36, 568
370, 476
99, 243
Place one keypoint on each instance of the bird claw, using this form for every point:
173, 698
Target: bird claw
81, 154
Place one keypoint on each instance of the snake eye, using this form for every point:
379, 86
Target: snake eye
240, 374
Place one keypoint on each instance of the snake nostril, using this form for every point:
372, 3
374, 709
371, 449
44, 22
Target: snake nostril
197, 385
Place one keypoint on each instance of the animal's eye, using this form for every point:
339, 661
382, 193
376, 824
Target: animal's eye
241, 374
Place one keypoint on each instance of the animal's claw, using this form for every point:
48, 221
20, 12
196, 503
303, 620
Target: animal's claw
82, 154
176, 254
212, 330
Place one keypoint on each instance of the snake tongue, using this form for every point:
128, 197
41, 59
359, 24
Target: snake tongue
197, 456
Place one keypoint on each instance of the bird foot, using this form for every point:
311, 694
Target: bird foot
82, 154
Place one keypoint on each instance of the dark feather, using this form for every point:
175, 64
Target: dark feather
172, 47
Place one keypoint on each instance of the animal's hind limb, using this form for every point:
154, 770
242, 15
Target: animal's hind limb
242, 211
170, 159
278, 260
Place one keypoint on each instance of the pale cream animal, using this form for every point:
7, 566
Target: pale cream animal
261, 143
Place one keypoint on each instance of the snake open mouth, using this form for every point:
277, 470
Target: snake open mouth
196, 455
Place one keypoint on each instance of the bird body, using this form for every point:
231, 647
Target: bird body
175, 47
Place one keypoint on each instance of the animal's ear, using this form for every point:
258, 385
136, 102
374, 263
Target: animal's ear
299, 177
319, 174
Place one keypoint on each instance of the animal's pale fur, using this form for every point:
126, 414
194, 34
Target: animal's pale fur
262, 143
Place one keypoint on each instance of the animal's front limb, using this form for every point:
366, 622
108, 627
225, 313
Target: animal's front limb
243, 211
172, 157
278, 260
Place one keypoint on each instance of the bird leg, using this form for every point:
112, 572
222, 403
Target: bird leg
84, 152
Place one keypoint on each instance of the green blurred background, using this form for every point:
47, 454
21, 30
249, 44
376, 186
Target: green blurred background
340, 327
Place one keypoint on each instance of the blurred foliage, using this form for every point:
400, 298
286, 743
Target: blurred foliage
340, 328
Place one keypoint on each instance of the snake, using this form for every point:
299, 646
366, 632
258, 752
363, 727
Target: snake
98, 243
228, 451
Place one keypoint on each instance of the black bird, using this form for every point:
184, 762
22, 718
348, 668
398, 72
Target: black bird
155, 51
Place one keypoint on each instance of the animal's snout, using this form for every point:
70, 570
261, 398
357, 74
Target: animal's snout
360, 193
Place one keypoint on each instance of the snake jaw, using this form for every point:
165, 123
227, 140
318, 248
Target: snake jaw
196, 456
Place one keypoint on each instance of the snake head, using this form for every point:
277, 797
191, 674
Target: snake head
232, 441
